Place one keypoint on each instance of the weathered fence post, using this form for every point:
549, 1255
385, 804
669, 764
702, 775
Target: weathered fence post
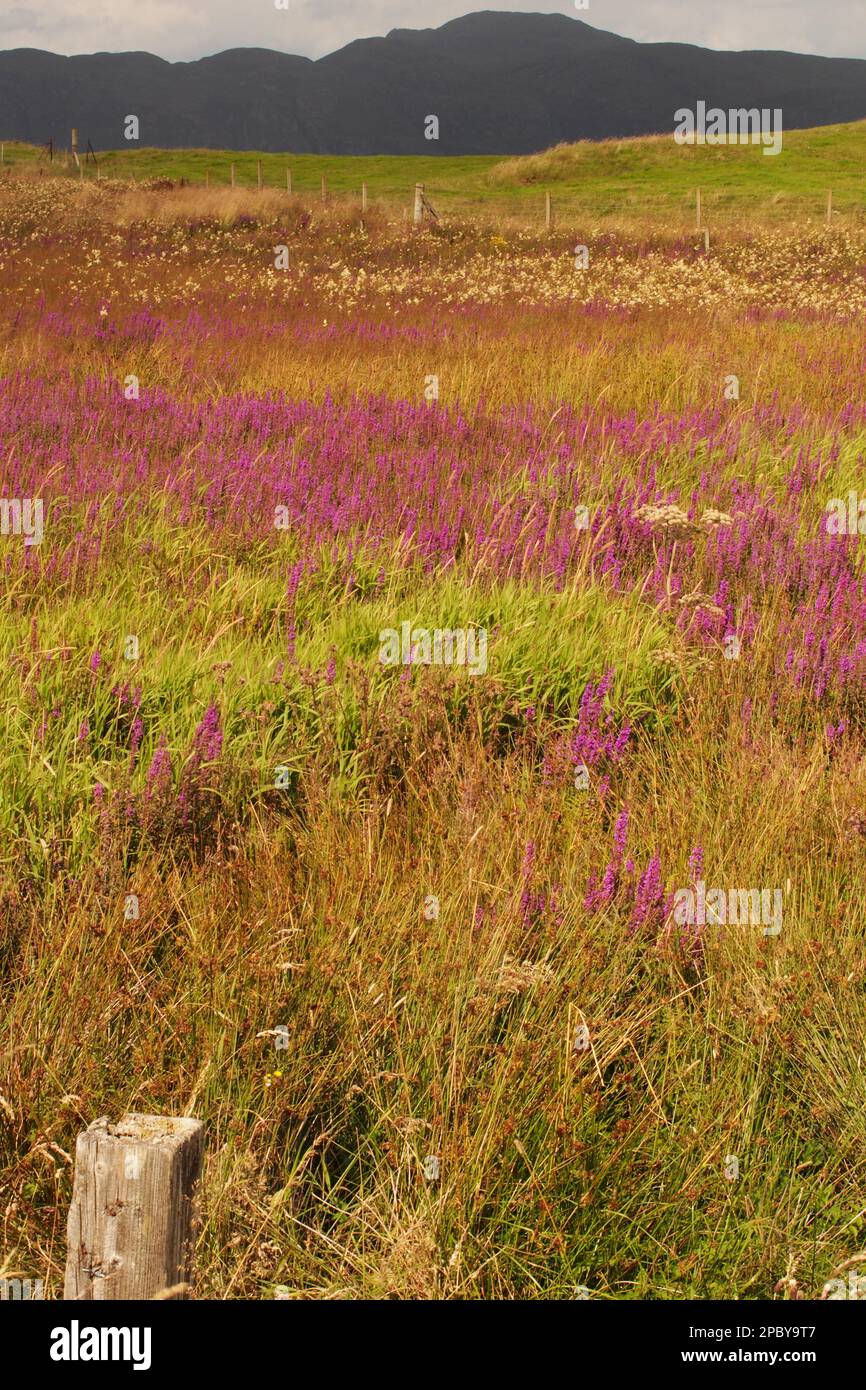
288, 180
324, 190
707, 240
130, 1221
829, 206
259, 174
75, 143
363, 197
698, 208
233, 175
547, 210
418, 210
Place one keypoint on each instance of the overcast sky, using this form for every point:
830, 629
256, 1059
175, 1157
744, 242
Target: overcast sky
183, 29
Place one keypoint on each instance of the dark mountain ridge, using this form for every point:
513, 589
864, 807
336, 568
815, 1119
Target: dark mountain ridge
499, 83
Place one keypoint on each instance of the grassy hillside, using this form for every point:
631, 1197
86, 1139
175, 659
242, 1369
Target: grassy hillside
646, 177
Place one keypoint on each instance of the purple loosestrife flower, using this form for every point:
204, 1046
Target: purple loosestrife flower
159, 775
607, 890
95, 662
620, 742
198, 799
696, 863
620, 834
649, 893
208, 739
618, 885
595, 741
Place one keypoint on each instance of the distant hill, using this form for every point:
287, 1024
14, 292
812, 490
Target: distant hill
500, 83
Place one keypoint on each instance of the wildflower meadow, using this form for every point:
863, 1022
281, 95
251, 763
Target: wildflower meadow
433, 688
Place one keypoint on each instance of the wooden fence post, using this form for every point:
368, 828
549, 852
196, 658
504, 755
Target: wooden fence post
259, 173
418, 209
698, 208
829, 206
363, 197
324, 190
130, 1221
233, 175
288, 180
547, 210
